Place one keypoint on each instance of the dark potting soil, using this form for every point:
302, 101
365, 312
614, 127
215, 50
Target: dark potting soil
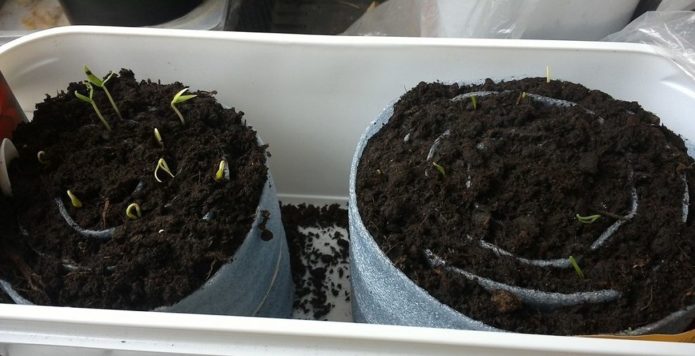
8, 229
311, 265
190, 224
4, 299
507, 182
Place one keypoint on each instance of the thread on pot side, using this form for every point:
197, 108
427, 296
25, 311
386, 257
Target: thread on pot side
96, 234
529, 296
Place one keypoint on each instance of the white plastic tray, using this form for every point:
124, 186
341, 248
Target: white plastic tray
311, 97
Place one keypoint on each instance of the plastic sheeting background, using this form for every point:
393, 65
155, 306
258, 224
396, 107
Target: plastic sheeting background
674, 31
676, 5
537, 19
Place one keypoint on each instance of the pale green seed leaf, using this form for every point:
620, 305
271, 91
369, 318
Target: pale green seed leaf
83, 97
439, 168
180, 98
108, 77
590, 219
183, 98
575, 265
93, 78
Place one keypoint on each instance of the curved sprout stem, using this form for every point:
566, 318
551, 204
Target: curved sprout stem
41, 157
439, 168
89, 99
133, 211
113, 104
162, 164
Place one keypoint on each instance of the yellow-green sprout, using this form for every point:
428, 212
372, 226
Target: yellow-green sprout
162, 164
219, 175
474, 101
90, 99
74, 200
101, 83
180, 98
133, 211
158, 137
575, 265
439, 168
589, 219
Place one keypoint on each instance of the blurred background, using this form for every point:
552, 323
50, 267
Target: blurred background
550, 19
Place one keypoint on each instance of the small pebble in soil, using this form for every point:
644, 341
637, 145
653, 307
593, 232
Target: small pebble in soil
504, 301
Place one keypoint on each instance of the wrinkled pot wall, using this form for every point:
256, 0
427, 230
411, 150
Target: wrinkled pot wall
382, 294
257, 281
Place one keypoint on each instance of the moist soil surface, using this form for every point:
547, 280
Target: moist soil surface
505, 181
317, 255
190, 224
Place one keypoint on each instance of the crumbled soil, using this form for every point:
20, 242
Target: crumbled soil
7, 229
190, 224
515, 172
4, 298
312, 264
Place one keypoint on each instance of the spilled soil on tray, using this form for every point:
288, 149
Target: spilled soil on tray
524, 173
318, 256
189, 225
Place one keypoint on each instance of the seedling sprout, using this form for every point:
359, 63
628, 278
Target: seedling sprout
162, 164
101, 83
219, 175
158, 137
474, 101
41, 157
180, 98
575, 265
522, 96
74, 200
89, 99
589, 219
439, 168
133, 211
547, 74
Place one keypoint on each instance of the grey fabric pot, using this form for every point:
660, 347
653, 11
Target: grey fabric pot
257, 281
382, 294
